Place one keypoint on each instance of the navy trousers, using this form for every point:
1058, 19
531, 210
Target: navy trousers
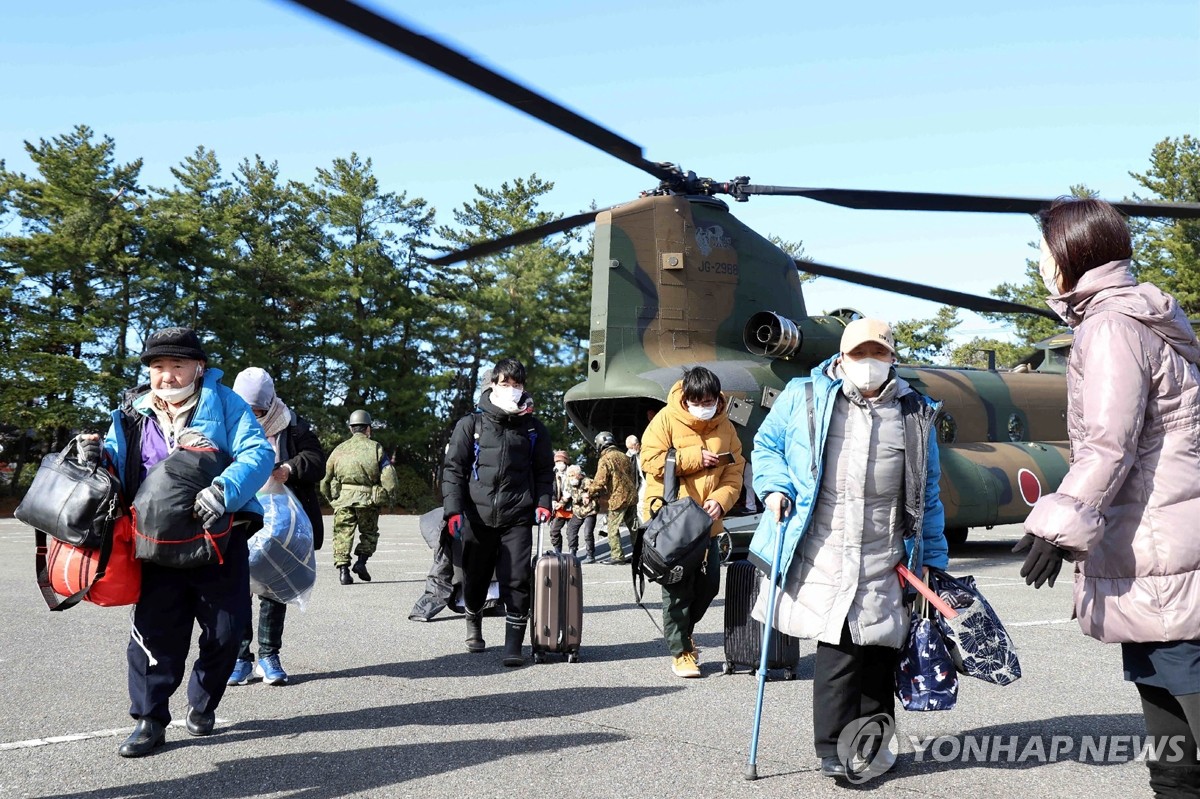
172, 600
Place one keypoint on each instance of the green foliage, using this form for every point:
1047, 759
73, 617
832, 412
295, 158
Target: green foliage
795, 251
925, 341
974, 353
1167, 252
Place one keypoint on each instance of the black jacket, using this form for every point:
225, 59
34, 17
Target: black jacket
307, 461
514, 472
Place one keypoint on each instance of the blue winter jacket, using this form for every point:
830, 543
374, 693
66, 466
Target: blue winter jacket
228, 422
782, 461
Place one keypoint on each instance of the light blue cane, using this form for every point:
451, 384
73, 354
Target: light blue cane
768, 622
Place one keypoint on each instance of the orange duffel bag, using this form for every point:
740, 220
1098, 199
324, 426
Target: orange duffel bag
107, 576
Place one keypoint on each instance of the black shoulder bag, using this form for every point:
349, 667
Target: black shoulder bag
71, 502
674, 542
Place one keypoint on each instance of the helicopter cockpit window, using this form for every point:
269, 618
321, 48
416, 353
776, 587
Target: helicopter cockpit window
1016, 428
947, 428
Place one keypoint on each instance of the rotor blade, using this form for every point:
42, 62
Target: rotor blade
972, 302
526, 236
932, 201
458, 66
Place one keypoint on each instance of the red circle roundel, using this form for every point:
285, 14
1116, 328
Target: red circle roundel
1031, 487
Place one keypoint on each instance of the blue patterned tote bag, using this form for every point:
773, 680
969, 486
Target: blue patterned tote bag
978, 643
926, 678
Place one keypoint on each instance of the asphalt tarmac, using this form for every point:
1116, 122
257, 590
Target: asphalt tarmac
379, 706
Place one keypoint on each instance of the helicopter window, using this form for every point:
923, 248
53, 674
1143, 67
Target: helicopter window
947, 428
1016, 428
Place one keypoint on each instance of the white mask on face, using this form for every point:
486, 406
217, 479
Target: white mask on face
1048, 268
177, 395
867, 374
700, 412
506, 398
560, 467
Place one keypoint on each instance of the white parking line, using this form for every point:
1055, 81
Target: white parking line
1039, 623
82, 736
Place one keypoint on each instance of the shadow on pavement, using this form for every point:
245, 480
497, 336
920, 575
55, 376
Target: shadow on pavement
325, 775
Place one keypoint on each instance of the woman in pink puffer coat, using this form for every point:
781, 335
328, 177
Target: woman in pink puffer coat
1128, 511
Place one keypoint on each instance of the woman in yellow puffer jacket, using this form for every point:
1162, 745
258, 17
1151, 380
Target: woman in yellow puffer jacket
708, 465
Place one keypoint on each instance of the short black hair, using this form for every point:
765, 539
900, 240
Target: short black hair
510, 368
1083, 233
700, 384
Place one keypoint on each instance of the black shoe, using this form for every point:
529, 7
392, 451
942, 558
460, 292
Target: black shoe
832, 766
360, 568
344, 575
199, 723
147, 736
514, 636
475, 642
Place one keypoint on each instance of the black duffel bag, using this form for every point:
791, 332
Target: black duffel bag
71, 502
673, 544
166, 530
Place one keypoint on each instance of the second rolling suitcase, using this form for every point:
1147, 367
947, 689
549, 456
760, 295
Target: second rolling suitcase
557, 620
743, 635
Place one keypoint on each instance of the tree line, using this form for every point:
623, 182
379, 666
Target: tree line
322, 283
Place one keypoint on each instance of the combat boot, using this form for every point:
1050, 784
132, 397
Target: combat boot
514, 636
344, 574
475, 632
360, 568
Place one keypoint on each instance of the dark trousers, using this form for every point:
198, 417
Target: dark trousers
507, 551
556, 529
1170, 716
172, 600
850, 682
270, 629
587, 525
684, 603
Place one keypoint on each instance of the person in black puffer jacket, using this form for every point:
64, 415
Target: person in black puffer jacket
497, 480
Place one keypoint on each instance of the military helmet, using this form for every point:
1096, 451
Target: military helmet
605, 439
360, 417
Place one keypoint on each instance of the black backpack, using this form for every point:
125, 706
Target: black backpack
673, 544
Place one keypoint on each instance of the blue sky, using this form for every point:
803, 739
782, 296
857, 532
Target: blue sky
1022, 98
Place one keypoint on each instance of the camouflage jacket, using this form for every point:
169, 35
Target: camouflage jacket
581, 501
614, 479
359, 474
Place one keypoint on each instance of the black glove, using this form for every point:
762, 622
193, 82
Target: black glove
88, 445
210, 504
1043, 561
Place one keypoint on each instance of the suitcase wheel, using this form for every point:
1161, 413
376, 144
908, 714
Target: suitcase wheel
727, 668
539, 657
789, 675
572, 657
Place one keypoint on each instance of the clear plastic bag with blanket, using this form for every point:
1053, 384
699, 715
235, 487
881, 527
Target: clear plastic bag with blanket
283, 565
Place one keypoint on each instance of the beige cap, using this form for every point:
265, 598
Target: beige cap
863, 330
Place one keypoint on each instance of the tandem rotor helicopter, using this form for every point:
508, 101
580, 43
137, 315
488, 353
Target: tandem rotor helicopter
677, 281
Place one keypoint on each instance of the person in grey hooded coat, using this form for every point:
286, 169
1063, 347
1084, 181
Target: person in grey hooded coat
1126, 513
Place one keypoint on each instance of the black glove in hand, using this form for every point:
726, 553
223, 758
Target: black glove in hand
210, 504
1043, 561
88, 445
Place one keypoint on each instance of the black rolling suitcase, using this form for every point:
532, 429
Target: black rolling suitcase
743, 635
557, 621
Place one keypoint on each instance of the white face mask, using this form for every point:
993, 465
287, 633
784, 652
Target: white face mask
506, 397
700, 412
560, 467
1048, 268
867, 374
575, 482
177, 395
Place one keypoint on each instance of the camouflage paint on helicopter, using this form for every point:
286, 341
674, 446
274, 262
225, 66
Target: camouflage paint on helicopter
679, 281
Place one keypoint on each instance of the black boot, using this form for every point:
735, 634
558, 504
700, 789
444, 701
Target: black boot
147, 736
360, 568
344, 574
475, 632
514, 636
1172, 780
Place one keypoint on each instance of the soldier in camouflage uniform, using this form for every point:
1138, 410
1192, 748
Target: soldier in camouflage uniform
359, 480
614, 479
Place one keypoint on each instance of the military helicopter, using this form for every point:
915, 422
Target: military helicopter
678, 281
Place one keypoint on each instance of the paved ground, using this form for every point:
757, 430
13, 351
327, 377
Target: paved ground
383, 707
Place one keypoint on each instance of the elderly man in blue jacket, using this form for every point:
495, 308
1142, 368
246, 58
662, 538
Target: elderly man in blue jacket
847, 465
184, 394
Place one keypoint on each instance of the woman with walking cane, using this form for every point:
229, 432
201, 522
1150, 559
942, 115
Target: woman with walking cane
847, 464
